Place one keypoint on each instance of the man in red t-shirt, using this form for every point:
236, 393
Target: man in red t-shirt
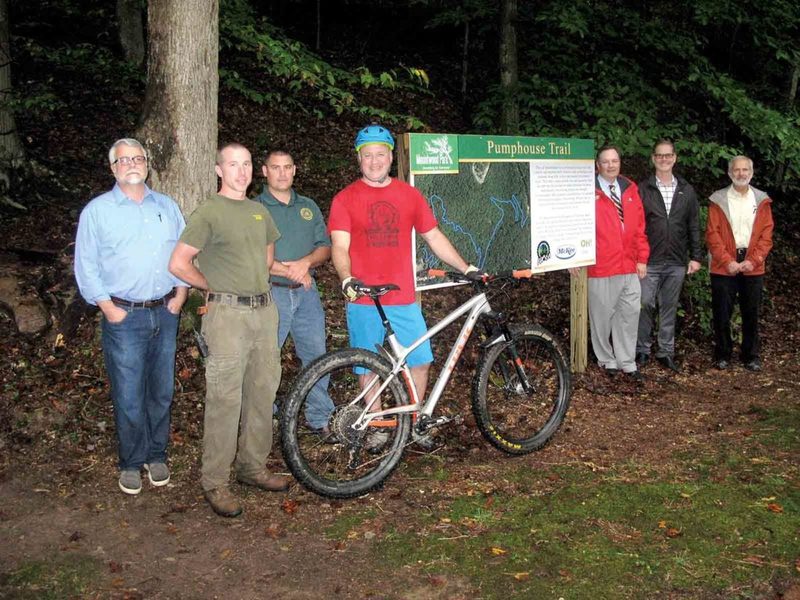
371, 222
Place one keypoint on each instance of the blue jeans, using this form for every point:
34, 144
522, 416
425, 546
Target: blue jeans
300, 314
140, 360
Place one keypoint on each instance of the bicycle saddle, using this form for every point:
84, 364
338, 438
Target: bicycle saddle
377, 290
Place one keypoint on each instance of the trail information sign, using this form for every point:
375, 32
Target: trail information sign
506, 202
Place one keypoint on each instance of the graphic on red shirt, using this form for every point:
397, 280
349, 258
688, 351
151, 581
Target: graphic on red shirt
383, 230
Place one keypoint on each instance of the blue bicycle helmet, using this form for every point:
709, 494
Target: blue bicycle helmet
374, 134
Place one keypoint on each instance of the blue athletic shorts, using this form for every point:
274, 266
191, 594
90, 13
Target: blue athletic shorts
365, 329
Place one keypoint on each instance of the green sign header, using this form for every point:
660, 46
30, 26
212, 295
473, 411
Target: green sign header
441, 152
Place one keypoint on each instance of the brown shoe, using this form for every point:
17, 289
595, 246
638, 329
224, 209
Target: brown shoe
266, 481
223, 502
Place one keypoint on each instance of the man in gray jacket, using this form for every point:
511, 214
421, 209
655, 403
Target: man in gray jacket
673, 232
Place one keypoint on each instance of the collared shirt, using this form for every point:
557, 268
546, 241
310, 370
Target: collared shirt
667, 191
123, 247
301, 224
606, 186
742, 209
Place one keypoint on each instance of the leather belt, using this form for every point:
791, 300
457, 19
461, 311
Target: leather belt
741, 254
291, 286
234, 300
145, 303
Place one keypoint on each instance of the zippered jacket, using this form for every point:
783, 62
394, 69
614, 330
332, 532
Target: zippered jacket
674, 238
719, 234
619, 247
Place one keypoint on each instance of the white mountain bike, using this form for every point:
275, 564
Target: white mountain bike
520, 395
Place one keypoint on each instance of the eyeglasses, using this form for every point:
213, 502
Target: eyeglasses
127, 161
661, 156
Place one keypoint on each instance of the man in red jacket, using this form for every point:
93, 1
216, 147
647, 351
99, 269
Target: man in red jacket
739, 237
621, 261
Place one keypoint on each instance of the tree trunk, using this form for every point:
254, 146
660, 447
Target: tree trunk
319, 26
791, 97
509, 76
11, 151
179, 117
465, 63
131, 30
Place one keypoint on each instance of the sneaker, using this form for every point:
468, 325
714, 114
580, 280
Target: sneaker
157, 473
130, 481
425, 441
223, 502
375, 440
753, 365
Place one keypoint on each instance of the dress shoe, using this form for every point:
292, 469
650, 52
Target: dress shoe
223, 502
610, 372
753, 365
668, 363
635, 376
722, 364
642, 358
266, 481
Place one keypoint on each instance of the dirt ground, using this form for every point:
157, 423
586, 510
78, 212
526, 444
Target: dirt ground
166, 543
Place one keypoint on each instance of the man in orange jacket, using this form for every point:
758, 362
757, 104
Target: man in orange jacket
621, 261
739, 237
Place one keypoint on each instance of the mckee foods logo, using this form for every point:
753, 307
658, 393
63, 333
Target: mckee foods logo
565, 252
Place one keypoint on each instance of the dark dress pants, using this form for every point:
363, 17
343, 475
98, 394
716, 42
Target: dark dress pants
724, 292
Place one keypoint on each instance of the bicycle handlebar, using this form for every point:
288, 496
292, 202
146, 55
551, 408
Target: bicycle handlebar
515, 274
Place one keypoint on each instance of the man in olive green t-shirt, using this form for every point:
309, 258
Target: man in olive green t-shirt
233, 239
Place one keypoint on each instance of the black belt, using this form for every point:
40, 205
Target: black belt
234, 300
741, 254
291, 286
144, 304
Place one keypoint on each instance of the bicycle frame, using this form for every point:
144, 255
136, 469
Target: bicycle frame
474, 308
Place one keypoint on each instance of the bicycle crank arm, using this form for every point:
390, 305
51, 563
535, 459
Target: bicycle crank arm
425, 424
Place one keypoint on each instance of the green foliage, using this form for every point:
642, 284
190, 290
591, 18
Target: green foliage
303, 78
68, 577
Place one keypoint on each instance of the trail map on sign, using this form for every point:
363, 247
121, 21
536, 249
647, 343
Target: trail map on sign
485, 212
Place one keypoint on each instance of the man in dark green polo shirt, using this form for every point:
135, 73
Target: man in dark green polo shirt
304, 245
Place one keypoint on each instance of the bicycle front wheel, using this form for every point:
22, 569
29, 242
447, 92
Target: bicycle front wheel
339, 461
513, 420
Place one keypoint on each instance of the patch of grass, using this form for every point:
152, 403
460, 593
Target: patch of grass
346, 523
725, 524
64, 577
779, 427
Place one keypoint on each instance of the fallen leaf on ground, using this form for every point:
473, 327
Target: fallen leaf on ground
524, 576
773, 507
289, 506
672, 532
498, 551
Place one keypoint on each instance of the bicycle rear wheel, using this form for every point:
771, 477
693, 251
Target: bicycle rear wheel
339, 464
515, 421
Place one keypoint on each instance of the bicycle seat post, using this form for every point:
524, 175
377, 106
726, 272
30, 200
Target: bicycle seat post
384, 319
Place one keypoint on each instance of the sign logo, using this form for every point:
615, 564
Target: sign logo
542, 252
433, 153
565, 252
258, 217
306, 213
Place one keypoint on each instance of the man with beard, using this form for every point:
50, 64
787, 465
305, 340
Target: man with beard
125, 238
739, 238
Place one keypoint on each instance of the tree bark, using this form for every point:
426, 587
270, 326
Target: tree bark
131, 30
11, 150
179, 117
509, 75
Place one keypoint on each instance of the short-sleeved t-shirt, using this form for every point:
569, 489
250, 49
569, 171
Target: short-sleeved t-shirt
301, 224
379, 221
232, 236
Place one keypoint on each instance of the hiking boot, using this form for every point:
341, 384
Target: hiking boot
668, 363
223, 502
375, 440
130, 481
266, 481
157, 473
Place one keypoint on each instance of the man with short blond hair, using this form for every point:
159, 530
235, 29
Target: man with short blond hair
125, 238
233, 239
739, 238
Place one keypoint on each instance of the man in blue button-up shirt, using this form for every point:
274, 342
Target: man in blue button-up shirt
125, 238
